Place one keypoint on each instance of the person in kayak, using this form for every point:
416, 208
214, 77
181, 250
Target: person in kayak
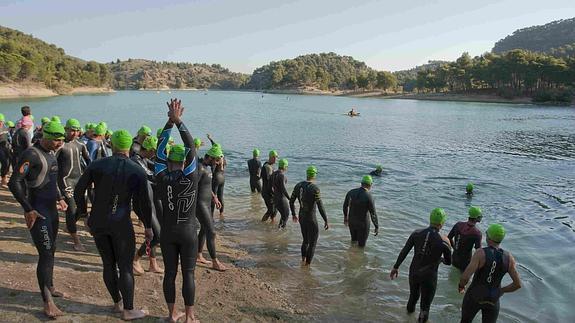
280, 193
378, 171
254, 168
34, 185
119, 183
70, 168
308, 196
267, 194
463, 237
177, 178
356, 206
145, 159
429, 247
488, 267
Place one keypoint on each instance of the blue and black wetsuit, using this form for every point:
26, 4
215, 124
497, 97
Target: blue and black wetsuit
429, 248
267, 192
5, 151
34, 185
148, 167
280, 196
308, 196
463, 236
96, 149
178, 191
71, 158
119, 183
356, 206
485, 290
207, 231
254, 167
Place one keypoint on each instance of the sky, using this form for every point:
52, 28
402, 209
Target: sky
245, 34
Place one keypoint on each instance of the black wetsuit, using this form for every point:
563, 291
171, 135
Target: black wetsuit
118, 184
34, 185
267, 193
148, 167
20, 142
5, 153
485, 290
280, 196
463, 237
307, 194
178, 191
254, 167
376, 173
358, 203
136, 147
71, 157
207, 231
429, 248
218, 182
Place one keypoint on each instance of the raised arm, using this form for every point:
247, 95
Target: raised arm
161, 165
210, 139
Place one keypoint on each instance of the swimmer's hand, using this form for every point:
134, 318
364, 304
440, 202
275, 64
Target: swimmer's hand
345, 222
376, 232
461, 288
149, 234
394, 273
31, 217
325, 226
444, 238
176, 110
217, 203
61, 205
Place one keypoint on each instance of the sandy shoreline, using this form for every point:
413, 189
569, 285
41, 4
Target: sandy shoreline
237, 295
38, 90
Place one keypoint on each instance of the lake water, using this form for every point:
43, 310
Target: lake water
521, 159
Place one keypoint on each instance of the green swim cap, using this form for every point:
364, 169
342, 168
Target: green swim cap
53, 131
177, 153
273, 153
2, 118
475, 212
73, 124
215, 151
437, 216
90, 126
100, 130
121, 139
496, 233
56, 119
311, 171
45, 120
367, 180
150, 143
197, 142
145, 130
469, 188
283, 163
256, 152
103, 124
10, 124
379, 167
109, 133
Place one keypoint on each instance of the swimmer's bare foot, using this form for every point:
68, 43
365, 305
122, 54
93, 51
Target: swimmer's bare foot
203, 260
79, 247
128, 315
154, 267
138, 270
175, 317
118, 307
217, 265
51, 310
190, 318
56, 293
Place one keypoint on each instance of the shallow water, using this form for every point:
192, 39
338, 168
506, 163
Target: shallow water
521, 159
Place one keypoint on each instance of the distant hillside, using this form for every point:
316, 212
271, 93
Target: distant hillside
145, 74
325, 71
407, 78
547, 38
24, 58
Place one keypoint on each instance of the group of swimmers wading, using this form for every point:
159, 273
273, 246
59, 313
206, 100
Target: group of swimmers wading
66, 168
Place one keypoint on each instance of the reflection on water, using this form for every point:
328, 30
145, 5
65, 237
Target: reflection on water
520, 158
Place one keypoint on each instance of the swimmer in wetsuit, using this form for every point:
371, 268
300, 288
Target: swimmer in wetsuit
280, 194
34, 185
119, 183
308, 196
378, 171
96, 145
254, 167
267, 193
205, 198
356, 206
21, 140
177, 180
429, 247
469, 189
71, 159
145, 159
463, 237
218, 180
488, 266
